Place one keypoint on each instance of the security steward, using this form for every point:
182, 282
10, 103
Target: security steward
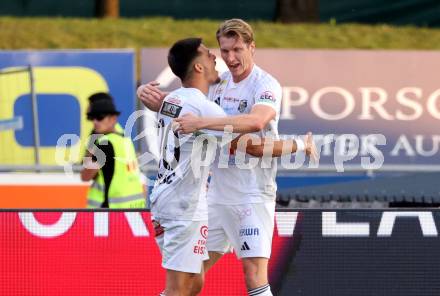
93, 189
112, 164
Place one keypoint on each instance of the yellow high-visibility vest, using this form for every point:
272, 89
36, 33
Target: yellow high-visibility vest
126, 189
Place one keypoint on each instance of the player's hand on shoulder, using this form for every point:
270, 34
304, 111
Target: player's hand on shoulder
187, 123
151, 96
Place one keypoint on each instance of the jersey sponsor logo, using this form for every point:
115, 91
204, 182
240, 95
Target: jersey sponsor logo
200, 247
230, 105
242, 106
267, 96
204, 231
244, 213
175, 101
171, 110
245, 247
231, 99
250, 231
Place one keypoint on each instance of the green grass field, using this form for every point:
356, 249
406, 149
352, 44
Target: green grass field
56, 33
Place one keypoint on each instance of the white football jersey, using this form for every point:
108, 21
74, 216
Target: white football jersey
237, 184
180, 189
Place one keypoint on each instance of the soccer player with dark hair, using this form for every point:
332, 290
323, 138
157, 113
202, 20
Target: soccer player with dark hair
178, 201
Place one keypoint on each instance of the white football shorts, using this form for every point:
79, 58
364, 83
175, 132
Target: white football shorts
182, 244
247, 228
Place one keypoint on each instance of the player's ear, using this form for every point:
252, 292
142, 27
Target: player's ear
252, 47
198, 67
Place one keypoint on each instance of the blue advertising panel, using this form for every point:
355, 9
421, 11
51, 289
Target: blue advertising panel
63, 81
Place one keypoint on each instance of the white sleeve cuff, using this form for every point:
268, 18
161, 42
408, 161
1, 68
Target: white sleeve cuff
300, 145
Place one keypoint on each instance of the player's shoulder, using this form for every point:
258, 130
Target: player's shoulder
173, 103
265, 78
176, 97
181, 93
182, 96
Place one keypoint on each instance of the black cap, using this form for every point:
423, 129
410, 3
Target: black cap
102, 107
100, 96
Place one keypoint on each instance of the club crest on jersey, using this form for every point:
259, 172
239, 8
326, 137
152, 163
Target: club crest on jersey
267, 96
171, 110
242, 106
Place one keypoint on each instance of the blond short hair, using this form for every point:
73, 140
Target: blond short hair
236, 28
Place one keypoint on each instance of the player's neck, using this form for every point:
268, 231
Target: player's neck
200, 84
243, 75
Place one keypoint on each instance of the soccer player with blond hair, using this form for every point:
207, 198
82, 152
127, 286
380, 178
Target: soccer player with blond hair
241, 215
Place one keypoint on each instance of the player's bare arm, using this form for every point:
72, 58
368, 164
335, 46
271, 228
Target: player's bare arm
255, 146
151, 96
255, 121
